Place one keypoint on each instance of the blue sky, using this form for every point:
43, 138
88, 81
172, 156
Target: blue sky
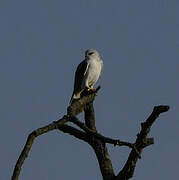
41, 44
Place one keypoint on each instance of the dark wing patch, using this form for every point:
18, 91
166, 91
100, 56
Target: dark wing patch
79, 75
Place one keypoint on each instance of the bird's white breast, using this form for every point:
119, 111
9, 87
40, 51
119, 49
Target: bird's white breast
94, 71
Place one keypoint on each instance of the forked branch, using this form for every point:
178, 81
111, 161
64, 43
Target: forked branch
89, 134
141, 142
75, 109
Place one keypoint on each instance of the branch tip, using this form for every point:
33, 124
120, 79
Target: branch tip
161, 109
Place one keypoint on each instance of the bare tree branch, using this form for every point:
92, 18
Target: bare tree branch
94, 133
74, 109
141, 142
95, 139
74, 132
30, 141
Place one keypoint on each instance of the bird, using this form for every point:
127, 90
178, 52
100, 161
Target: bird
87, 73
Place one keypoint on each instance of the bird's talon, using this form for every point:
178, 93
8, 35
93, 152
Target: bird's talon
90, 89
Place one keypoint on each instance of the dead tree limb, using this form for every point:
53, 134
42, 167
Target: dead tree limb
74, 132
141, 142
29, 142
75, 109
115, 142
89, 134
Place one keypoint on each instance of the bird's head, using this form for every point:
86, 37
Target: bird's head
92, 53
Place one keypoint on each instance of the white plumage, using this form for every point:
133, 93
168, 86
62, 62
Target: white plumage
87, 73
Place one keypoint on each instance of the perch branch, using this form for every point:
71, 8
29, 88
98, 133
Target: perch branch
78, 106
141, 142
74, 109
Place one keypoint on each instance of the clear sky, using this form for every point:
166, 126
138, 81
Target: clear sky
42, 42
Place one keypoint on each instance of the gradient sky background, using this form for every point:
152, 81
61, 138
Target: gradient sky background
42, 42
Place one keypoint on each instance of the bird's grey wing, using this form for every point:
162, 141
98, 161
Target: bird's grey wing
79, 76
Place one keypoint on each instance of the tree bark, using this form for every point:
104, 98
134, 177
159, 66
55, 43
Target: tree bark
98, 146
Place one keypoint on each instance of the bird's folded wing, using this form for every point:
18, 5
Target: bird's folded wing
79, 75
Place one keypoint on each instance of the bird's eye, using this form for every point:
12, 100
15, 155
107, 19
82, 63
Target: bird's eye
90, 53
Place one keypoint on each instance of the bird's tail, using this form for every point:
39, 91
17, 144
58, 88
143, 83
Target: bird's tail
74, 96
